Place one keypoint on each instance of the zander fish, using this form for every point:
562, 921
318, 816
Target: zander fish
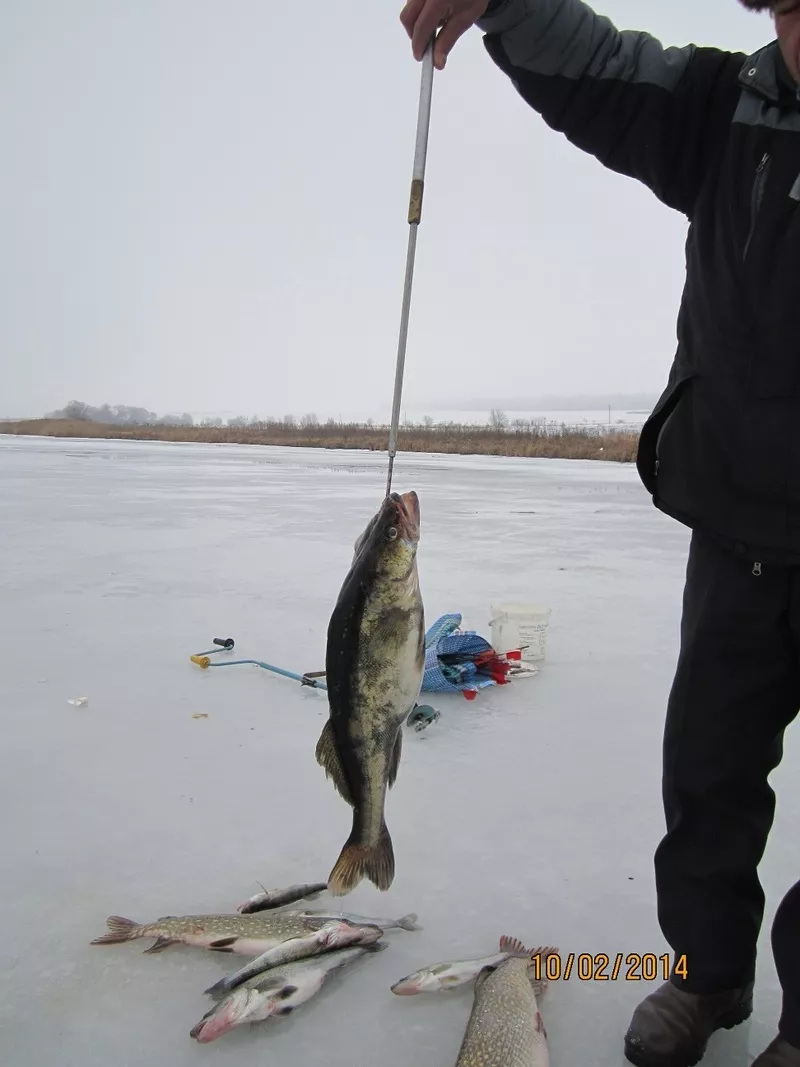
505, 1027
405, 922
331, 936
277, 992
276, 898
454, 973
247, 935
375, 660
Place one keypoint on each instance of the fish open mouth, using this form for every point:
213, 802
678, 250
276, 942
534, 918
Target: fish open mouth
406, 987
214, 1025
407, 505
230, 1013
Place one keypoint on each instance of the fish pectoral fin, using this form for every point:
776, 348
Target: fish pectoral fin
394, 759
223, 944
327, 754
160, 944
269, 981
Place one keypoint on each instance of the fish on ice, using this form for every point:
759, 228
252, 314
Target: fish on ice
452, 973
333, 935
247, 935
375, 660
405, 922
277, 898
277, 992
505, 1027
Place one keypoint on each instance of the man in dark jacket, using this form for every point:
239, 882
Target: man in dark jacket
716, 136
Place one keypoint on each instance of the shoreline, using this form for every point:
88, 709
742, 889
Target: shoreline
533, 442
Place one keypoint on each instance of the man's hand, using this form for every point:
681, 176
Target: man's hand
421, 18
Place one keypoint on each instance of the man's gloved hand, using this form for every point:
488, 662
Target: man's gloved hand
422, 17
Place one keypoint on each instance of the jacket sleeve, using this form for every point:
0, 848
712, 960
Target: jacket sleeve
658, 115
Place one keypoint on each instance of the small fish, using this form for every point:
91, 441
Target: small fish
276, 898
405, 922
247, 935
276, 992
374, 663
505, 1027
454, 973
331, 936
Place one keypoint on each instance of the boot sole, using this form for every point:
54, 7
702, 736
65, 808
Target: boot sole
640, 1057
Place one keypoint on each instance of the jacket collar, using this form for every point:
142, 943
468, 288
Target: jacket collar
765, 73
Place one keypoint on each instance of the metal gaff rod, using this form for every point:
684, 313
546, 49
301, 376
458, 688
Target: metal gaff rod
414, 218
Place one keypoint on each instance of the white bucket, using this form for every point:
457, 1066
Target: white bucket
515, 625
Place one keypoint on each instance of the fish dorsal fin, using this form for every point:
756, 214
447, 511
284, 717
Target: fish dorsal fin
513, 946
327, 755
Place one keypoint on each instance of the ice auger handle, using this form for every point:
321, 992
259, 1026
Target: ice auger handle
223, 642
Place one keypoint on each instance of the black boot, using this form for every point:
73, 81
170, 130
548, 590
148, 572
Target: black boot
778, 1053
671, 1028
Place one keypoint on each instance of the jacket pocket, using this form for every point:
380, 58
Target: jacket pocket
652, 435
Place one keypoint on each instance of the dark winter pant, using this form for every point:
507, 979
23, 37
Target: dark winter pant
736, 689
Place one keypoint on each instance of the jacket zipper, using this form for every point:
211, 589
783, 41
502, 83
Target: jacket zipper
756, 197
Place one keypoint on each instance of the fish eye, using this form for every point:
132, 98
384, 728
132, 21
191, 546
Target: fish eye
391, 533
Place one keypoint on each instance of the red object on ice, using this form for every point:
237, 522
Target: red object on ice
469, 694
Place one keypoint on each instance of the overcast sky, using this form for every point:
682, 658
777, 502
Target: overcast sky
203, 205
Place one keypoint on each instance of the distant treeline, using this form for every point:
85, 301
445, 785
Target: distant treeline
499, 437
123, 415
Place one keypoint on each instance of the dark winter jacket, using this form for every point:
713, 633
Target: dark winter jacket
716, 136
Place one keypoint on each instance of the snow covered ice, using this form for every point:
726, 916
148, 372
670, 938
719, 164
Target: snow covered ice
532, 811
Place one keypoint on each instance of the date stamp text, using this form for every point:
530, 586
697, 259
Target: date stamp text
600, 967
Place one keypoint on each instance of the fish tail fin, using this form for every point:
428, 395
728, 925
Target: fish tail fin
357, 861
120, 929
409, 922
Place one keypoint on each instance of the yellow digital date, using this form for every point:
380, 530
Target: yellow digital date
600, 967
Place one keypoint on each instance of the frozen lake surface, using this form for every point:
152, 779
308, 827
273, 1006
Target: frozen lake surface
532, 811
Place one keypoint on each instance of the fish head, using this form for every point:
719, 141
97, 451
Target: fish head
339, 934
237, 1008
395, 524
427, 980
394, 536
